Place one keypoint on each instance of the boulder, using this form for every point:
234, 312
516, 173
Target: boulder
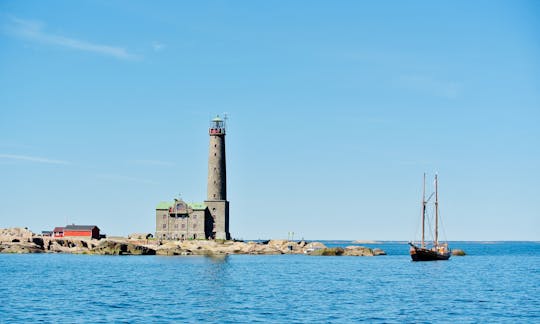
377, 251
328, 252
121, 248
15, 234
68, 245
354, 250
24, 247
313, 246
170, 248
285, 246
38, 241
458, 252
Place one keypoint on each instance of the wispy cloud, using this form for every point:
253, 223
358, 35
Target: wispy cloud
117, 177
32, 159
35, 31
158, 47
154, 162
428, 84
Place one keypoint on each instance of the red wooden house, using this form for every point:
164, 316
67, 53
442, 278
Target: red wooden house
82, 231
58, 232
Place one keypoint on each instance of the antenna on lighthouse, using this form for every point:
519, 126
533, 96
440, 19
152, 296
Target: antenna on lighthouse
225, 119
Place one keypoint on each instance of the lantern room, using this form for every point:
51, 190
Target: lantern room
217, 126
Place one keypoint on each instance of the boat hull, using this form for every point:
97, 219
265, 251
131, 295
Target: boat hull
422, 254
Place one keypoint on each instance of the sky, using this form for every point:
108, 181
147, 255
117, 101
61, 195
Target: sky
335, 110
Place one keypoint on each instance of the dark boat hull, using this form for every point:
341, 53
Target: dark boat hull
421, 254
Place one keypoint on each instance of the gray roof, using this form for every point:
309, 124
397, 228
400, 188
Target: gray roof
80, 227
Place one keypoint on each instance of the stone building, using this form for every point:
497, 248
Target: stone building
177, 220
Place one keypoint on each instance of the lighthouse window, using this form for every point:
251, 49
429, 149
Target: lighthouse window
164, 225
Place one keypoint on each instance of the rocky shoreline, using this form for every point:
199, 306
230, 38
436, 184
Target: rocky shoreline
20, 240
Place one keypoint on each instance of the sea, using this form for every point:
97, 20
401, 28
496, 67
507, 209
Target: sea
496, 282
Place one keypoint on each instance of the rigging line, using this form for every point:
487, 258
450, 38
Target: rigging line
443, 227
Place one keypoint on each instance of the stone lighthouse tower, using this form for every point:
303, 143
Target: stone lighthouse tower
217, 180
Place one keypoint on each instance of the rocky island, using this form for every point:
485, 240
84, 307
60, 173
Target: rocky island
22, 240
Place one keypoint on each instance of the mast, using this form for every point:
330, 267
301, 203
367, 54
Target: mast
436, 212
423, 209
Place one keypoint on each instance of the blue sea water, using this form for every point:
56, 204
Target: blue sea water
495, 282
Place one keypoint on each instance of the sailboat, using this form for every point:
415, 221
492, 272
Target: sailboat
435, 250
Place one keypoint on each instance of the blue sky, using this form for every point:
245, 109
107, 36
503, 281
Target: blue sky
336, 108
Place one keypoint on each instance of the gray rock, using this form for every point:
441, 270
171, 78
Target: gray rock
24, 247
358, 251
377, 251
121, 248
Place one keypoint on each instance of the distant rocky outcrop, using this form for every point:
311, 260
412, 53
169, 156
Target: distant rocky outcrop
20, 240
328, 252
365, 242
458, 252
352, 250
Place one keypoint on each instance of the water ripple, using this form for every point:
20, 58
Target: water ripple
280, 289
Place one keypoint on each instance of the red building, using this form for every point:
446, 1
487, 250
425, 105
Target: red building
81, 231
58, 232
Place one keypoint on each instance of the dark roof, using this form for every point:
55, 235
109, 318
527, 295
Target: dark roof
79, 227
58, 229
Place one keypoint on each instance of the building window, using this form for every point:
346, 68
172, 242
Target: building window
176, 226
183, 226
164, 225
164, 216
194, 226
194, 216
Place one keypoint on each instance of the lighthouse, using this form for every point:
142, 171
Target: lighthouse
216, 202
